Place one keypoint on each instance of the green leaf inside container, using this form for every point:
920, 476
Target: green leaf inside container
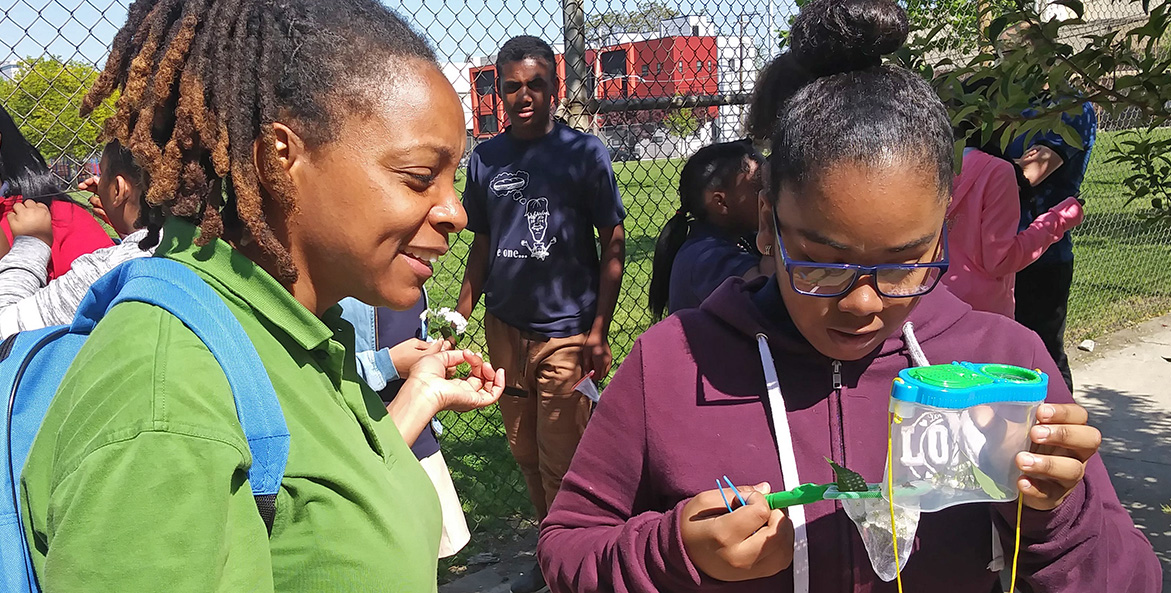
848, 480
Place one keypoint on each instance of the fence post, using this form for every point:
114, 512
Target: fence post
984, 19
576, 95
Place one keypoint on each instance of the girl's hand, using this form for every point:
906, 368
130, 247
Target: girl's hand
481, 388
404, 355
1063, 442
31, 219
751, 542
100, 211
89, 184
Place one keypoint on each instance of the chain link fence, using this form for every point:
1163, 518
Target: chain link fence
657, 81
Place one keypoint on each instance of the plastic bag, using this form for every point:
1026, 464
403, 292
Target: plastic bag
872, 517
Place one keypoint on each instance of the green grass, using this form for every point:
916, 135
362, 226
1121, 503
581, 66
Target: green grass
1123, 275
1122, 268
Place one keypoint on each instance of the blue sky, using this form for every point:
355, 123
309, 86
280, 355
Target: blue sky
83, 29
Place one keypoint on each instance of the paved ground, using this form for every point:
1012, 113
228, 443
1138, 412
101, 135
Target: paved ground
495, 578
1126, 385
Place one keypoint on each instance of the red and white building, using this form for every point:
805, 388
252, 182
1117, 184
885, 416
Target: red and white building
684, 57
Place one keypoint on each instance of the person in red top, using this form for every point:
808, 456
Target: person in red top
75, 231
24, 174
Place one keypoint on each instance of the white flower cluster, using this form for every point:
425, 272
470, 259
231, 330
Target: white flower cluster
456, 320
447, 316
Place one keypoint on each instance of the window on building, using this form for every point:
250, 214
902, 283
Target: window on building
699, 66
488, 124
646, 70
679, 66
614, 62
485, 83
731, 63
695, 30
710, 67
659, 68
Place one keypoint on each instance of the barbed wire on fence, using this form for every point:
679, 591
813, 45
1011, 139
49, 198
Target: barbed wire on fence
655, 81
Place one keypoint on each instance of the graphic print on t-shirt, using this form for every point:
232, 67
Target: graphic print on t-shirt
537, 215
511, 185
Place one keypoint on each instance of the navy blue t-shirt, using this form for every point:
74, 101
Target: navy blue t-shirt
707, 258
394, 327
1063, 183
538, 203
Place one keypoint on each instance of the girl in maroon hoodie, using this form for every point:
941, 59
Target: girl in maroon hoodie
861, 171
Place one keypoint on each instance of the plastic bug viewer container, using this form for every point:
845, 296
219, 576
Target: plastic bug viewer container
957, 429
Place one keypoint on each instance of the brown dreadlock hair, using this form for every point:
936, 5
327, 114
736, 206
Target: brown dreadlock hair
202, 81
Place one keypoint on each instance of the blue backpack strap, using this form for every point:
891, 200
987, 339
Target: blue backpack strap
178, 290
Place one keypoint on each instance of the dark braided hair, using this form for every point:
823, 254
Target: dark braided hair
856, 109
42, 187
22, 168
711, 168
202, 82
18, 157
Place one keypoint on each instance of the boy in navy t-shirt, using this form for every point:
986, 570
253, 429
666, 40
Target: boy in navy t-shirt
1056, 169
534, 197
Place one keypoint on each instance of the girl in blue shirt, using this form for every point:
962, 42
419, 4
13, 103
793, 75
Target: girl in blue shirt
710, 237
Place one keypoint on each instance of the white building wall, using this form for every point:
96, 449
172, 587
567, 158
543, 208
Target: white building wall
458, 75
696, 25
736, 72
9, 70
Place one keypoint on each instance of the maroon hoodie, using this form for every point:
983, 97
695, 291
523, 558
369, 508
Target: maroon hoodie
688, 405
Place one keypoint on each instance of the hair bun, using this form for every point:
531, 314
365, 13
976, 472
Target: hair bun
833, 36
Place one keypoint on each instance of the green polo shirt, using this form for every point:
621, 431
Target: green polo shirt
138, 478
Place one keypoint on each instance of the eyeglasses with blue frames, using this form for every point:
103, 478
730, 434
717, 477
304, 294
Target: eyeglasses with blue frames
896, 281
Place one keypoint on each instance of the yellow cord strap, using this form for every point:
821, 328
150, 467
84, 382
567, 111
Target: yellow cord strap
1020, 503
890, 484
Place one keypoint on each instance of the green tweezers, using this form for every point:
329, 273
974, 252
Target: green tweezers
807, 493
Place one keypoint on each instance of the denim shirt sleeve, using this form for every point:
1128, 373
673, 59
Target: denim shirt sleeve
374, 365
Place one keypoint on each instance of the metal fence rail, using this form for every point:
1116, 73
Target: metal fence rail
656, 81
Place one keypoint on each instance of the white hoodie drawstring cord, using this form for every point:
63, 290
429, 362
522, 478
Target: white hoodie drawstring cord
784, 440
913, 346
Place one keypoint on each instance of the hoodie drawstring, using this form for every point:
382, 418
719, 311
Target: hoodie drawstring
788, 457
913, 346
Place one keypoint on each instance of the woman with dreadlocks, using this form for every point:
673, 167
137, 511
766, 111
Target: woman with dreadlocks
27, 186
296, 152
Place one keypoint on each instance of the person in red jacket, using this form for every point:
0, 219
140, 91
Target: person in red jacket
25, 175
75, 231
769, 378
